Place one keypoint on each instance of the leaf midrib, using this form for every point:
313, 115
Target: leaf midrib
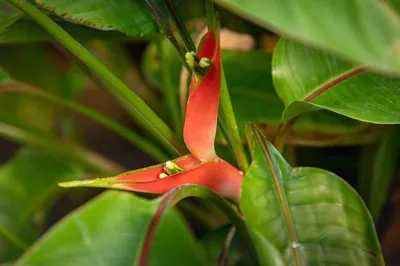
282, 202
333, 82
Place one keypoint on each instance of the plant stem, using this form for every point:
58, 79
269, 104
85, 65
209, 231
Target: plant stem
283, 133
18, 242
167, 31
227, 244
228, 117
226, 114
142, 113
170, 94
210, 12
184, 33
132, 137
185, 191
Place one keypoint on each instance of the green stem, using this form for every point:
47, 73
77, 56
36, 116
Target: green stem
141, 112
170, 94
13, 238
25, 134
184, 33
228, 118
132, 137
168, 32
210, 12
185, 191
226, 114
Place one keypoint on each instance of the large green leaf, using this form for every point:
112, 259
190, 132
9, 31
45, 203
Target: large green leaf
253, 96
300, 73
378, 166
110, 230
27, 183
369, 29
310, 215
131, 17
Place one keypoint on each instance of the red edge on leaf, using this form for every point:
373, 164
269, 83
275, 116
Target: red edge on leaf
153, 172
217, 175
202, 107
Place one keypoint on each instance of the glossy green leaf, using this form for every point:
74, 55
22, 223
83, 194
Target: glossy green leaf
369, 30
378, 168
310, 215
110, 230
301, 74
253, 96
28, 181
132, 18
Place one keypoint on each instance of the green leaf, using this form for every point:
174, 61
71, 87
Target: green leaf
267, 253
28, 182
253, 96
132, 18
369, 30
110, 230
310, 215
378, 166
308, 80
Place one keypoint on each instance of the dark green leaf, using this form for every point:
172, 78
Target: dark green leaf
131, 17
254, 99
27, 183
310, 215
366, 31
378, 167
109, 231
301, 74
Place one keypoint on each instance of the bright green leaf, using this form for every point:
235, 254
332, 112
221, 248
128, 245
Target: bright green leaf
110, 230
300, 73
267, 253
27, 183
310, 215
366, 31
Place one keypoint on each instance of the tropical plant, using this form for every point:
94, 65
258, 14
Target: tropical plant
250, 108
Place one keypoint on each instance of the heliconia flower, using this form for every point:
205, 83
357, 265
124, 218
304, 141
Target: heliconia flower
202, 166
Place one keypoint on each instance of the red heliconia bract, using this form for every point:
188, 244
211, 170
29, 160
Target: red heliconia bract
202, 106
202, 166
